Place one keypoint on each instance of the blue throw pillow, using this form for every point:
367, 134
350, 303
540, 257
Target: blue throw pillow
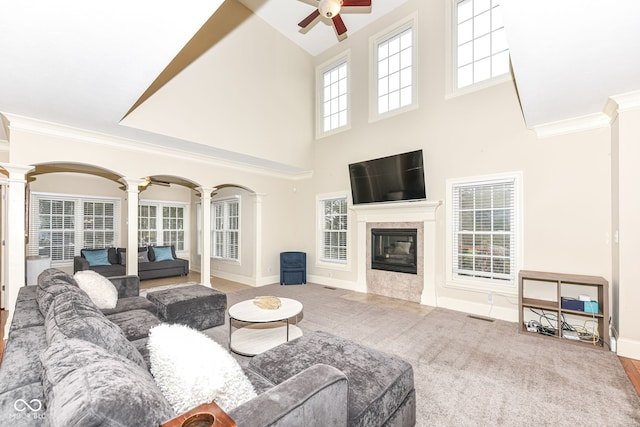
163, 253
96, 257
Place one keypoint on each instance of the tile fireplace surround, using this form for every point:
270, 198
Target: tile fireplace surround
420, 215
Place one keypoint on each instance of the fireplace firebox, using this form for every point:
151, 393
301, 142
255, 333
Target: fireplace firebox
394, 249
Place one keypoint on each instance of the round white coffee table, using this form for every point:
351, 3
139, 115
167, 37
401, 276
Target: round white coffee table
265, 328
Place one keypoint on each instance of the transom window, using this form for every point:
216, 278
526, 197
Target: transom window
332, 100
333, 230
394, 70
395, 61
225, 233
484, 229
482, 52
334, 106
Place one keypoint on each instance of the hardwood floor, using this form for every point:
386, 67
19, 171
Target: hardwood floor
631, 366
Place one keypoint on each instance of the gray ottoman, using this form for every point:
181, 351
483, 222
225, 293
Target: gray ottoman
381, 389
197, 306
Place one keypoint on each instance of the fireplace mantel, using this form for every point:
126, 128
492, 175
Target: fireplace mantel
399, 212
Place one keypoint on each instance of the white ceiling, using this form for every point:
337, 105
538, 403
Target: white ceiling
85, 63
284, 16
570, 56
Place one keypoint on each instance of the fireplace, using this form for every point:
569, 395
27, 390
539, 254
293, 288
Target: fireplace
394, 249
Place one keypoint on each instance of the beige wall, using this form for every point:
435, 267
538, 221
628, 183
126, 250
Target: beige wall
479, 133
626, 292
250, 93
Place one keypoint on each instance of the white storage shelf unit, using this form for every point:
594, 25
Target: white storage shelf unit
540, 297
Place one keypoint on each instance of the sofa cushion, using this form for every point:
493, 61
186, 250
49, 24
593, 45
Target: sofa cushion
20, 362
73, 317
23, 406
134, 323
149, 266
86, 385
96, 257
378, 383
54, 273
100, 289
26, 314
49, 289
110, 270
162, 253
131, 303
122, 254
190, 368
143, 256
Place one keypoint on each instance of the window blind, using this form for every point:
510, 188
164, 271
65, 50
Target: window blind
484, 222
61, 225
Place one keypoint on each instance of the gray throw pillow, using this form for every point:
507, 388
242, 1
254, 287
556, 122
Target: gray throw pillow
74, 317
88, 386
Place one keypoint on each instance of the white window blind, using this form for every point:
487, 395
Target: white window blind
481, 42
225, 233
484, 230
61, 225
333, 229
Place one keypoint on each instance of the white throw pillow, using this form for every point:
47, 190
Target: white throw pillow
190, 369
100, 289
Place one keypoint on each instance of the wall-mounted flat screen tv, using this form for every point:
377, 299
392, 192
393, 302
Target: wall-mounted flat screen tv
388, 179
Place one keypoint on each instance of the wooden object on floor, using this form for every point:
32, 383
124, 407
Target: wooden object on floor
205, 415
563, 286
632, 368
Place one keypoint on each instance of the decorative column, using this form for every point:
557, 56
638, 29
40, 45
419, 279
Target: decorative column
14, 249
257, 248
205, 256
132, 224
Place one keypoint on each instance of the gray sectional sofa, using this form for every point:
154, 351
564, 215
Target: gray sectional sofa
68, 363
148, 266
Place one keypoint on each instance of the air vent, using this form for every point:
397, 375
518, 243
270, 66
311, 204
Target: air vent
486, 319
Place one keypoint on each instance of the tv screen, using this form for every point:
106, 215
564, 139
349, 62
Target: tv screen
388, 179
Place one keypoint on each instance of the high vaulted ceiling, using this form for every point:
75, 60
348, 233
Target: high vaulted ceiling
86, 63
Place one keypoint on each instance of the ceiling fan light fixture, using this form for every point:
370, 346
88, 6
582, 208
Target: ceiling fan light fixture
329, 8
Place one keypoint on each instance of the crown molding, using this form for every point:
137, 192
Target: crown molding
573, 125
39, 127
628, 101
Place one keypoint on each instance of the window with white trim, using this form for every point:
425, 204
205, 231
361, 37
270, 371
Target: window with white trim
161, 223
481, 50
484, 229
225, 229
61, 225
333, 229
394, 67
334, 87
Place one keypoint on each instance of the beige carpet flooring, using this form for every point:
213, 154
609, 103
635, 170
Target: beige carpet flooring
470, 372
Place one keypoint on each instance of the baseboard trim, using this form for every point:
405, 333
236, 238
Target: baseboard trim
629, 348
495, 312
332, 282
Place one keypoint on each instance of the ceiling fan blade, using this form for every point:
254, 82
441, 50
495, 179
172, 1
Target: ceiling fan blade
339, 24
309, 19
356, 3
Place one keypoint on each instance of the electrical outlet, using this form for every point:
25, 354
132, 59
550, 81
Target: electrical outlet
490, 299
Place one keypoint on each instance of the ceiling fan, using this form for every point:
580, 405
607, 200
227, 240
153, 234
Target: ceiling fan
331, 9
149, 180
